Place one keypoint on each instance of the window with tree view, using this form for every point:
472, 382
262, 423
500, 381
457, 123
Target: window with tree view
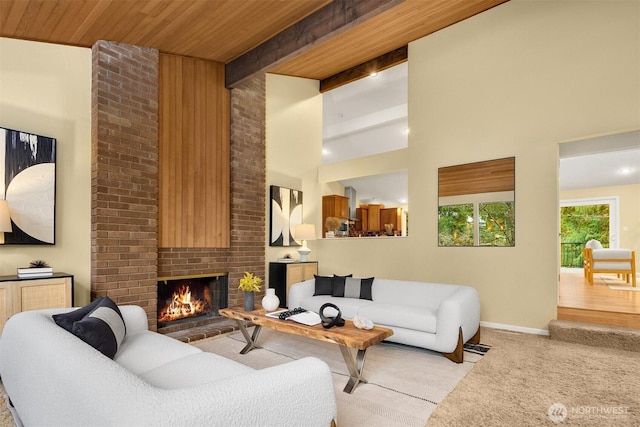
476, 204
495, 225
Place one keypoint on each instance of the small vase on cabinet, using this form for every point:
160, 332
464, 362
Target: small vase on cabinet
248, 301
270, 302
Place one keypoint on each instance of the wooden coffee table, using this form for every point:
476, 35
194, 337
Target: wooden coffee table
347, 337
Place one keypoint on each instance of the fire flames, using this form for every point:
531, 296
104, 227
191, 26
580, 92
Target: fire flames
182, 306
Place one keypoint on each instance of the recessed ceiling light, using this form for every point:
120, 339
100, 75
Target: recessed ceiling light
373, 74
625, 171
325, 152
406, 131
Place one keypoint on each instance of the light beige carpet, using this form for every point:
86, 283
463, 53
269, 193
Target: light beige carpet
6, 419
523, 375
405, 383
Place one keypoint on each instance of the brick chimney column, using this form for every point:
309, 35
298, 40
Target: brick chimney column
124, 175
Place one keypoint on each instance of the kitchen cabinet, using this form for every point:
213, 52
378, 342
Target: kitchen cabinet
374, 217
334, 205
391, 216
362, 215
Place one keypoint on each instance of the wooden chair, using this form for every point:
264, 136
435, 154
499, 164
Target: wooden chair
617, 261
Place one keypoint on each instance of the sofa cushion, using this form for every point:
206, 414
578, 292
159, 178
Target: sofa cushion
348, 306
324, 285
402, 316
423, 294
195, 369
350, 287
147, 350
102, 327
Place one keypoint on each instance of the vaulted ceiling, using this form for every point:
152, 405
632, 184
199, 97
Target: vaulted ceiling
305, 38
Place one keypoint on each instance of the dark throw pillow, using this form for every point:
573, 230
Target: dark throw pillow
102, 325
338, 285
324, 285
358, 288
66, 320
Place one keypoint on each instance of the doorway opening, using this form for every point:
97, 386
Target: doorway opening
597, 174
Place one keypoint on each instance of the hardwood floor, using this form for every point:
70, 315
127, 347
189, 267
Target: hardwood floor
581, 302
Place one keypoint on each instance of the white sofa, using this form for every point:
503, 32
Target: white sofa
55, 379
434, 316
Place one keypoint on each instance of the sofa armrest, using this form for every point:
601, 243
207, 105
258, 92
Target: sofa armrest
460, 310
135, 318
300, 291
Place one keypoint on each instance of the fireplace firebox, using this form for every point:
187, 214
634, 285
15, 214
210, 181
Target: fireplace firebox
190, 297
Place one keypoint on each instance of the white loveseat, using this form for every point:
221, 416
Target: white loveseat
434, 316
55, 379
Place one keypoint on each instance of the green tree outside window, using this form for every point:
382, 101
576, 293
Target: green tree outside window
497, 224
455, 225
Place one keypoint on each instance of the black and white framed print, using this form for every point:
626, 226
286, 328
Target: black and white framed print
286, 213
28, 184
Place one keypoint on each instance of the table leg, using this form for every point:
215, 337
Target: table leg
355, 367
250, 339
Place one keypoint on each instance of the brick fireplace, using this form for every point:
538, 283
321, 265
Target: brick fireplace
126, 260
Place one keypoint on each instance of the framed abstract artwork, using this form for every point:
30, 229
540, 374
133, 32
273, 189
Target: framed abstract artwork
28, 184
286, 213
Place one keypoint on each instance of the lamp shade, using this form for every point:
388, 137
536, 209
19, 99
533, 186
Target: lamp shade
5, 218
305, 232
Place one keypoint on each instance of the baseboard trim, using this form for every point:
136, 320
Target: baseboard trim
515, 328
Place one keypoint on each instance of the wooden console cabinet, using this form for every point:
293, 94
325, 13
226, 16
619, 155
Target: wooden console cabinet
34, 293
284, 274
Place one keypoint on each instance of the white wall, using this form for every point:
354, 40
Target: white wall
294, 150
46, 89
513, 81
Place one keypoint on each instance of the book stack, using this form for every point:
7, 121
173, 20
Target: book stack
24, 273
286, 260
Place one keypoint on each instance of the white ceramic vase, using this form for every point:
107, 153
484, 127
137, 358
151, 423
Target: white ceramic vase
270, 301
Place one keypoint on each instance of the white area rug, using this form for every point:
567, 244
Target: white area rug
405, 383
619, 285
623, 288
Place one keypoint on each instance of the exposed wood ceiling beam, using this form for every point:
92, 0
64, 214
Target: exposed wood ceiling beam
365, 69
333, 19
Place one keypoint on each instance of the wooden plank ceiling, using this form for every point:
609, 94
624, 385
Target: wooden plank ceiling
225, 30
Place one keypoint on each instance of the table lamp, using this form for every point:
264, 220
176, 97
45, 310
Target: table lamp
304, 232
